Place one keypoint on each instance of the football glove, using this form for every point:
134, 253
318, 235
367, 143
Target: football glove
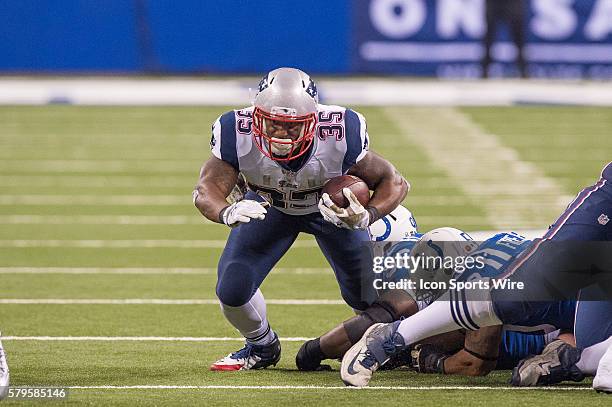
354, 217
243, 211
310, 356
427, 358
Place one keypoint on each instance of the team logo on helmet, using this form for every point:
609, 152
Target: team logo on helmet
213, 140
263, 84
312, 89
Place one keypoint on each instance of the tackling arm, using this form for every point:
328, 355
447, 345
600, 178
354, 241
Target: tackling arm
479, 354
217, 179
389, 187
477, 358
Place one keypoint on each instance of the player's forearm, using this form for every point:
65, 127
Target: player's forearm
210, 201
217, 178
389, 187
462, 363
479, 354
389, 193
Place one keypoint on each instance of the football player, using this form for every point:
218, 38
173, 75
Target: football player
286, 146
545, 271
4, 374
592, 355
397, 226
473, 353
478, 352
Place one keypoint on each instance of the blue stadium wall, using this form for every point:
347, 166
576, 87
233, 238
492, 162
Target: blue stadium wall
568, 38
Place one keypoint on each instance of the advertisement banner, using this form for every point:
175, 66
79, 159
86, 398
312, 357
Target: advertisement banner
445, 38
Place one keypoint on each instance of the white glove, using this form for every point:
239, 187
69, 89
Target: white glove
354, 217
243, 211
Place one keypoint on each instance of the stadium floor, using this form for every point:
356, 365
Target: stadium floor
99, 241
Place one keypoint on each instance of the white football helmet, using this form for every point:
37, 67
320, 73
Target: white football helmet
285, 114
394, 227
442, 244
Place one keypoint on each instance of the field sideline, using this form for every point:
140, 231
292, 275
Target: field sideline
108, 272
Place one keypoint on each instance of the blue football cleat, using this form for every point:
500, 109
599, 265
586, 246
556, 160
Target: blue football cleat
250, 357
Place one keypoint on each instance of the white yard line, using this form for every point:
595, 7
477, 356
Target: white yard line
71, 200
177, 220
153, 301
105, 220
345, 388
147, 270
129, 244
512, 192
128, 181
98, 166
96, 181
136, 339
185, 200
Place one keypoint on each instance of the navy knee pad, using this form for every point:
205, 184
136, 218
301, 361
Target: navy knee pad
234, 285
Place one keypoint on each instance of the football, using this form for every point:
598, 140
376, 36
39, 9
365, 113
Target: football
335, 185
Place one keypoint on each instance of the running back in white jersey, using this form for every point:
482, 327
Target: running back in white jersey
341, 140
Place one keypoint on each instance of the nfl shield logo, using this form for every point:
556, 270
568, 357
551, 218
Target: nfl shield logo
603, 219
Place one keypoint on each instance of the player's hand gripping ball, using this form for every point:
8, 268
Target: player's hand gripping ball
358, 187
343, 202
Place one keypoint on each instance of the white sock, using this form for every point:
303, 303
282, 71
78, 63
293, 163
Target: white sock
450, 313
589, 360
250, 320
431, 321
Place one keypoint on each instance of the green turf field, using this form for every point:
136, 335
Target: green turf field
96, 205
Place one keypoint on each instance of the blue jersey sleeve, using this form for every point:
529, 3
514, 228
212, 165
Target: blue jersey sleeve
498, 253
357, 141
223, 140
516, 346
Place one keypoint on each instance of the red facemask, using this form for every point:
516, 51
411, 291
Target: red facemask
283, 137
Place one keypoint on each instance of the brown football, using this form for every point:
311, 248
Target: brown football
335, 185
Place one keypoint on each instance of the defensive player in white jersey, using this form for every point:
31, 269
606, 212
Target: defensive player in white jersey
286, 147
